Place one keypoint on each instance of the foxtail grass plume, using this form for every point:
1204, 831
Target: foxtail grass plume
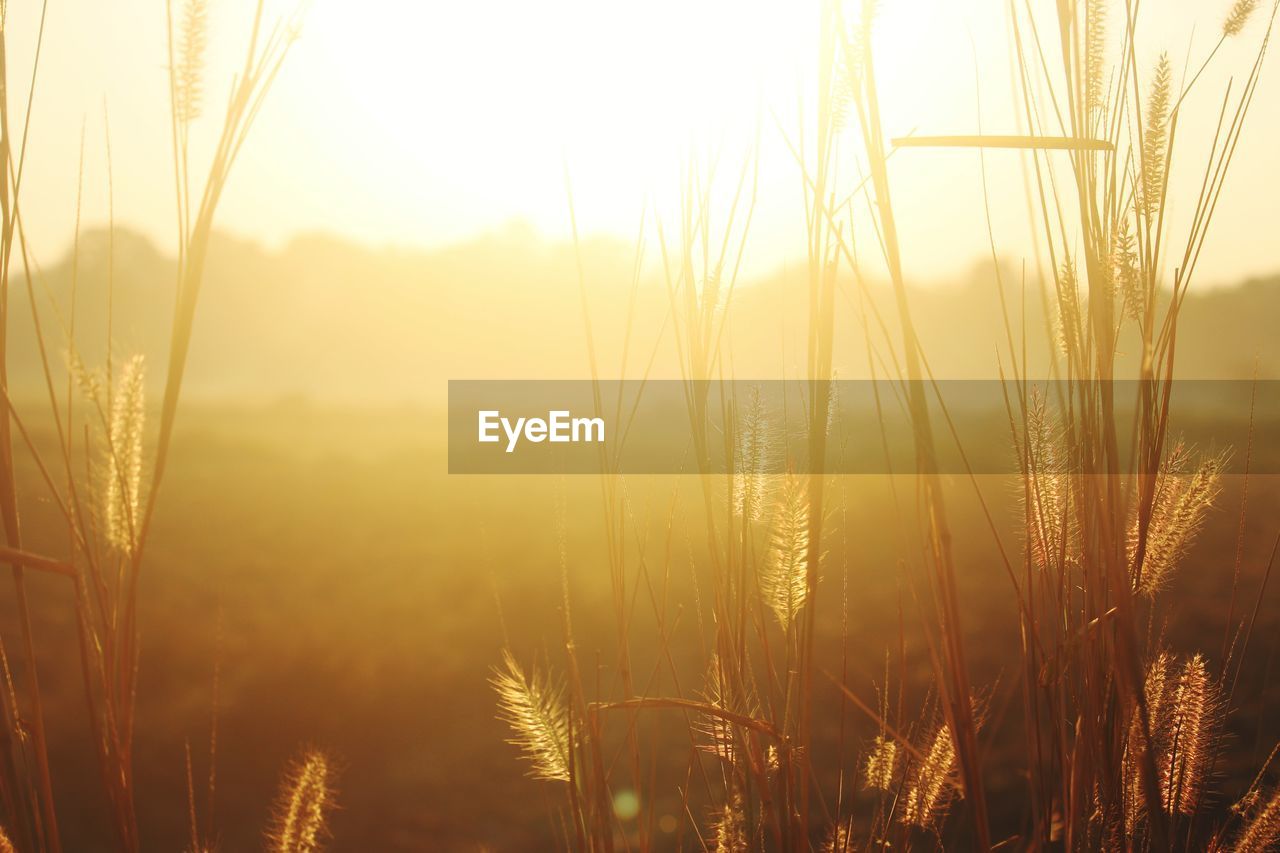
854, 57
1156, 690
189, 74
305, 795
1095, 53
833, 402
881, 764
1182, 500
1068, 326
123, 463
534, 707
717, 731
6, 845
784, 578
1194, 709
928, 793
1241, 12
1155, 137
719, 737
753, 459
89, 382
839, 838
1262, 832
1050, 522
1126, 273
731, 827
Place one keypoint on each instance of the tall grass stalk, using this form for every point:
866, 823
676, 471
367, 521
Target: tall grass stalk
108, 514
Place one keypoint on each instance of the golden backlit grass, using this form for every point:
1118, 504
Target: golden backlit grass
1122, 737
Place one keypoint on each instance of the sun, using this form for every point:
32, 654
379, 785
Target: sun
493, 99
439, 116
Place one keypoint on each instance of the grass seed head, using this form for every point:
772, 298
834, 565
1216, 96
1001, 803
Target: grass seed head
882, 764
1262, 832
1155, 137
122, 468
784, 578
534, 707
1238, 17
305, 795
1095, 54
731, 827
928, 793
189, 75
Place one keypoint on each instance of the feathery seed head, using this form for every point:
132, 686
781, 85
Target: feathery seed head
122, 471
1069, 315
1155, 138
1262, 832
784, 578
535, 709
719, 733
1048, 499
1194, 710
305, 795
1095, 53
881, 764
189, 75
1126, 273
839, 838
1156, 693
731, 827
754, 458
928, 794
1239, 15
1182, 500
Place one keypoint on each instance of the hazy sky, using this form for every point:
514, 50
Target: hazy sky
421, 123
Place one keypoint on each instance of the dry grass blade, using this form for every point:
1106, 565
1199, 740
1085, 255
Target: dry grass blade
1048, 143
13, 556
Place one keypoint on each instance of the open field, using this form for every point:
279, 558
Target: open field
352, 585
